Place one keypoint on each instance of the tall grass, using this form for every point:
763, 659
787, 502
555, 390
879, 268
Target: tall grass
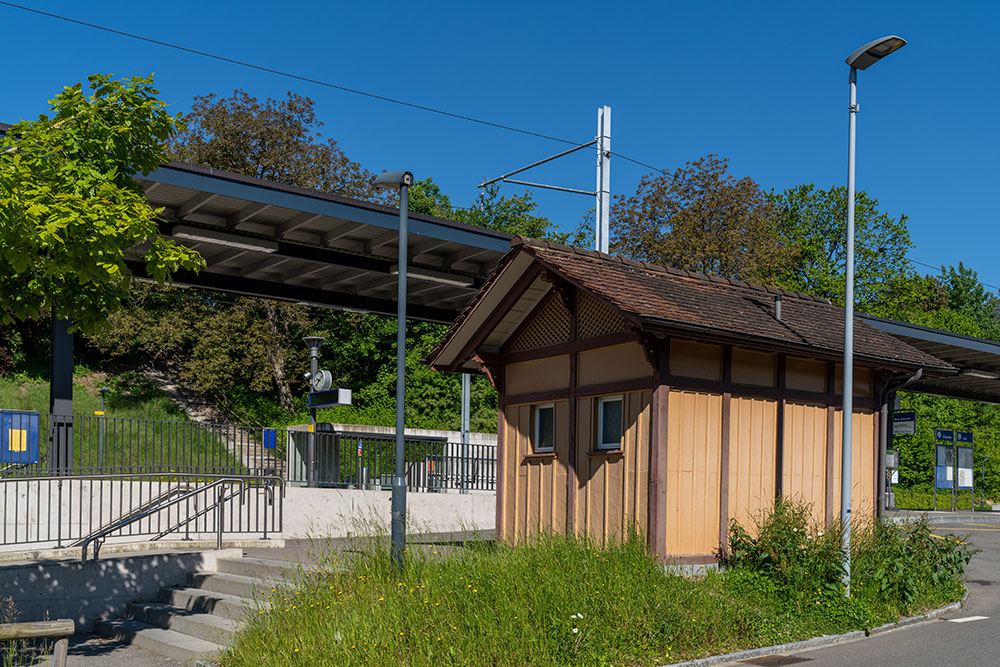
567, 601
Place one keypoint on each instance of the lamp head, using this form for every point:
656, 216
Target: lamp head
872, 52
313, 343
393, 180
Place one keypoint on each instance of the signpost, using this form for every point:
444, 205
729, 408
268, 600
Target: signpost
944, 462
904, 423
966, 465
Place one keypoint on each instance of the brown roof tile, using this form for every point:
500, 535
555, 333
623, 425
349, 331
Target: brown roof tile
688, 300
675, 299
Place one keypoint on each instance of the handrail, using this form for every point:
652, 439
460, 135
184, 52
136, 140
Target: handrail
151, 503
97, 538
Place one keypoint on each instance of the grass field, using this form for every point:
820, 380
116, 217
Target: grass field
126, 444
566, 601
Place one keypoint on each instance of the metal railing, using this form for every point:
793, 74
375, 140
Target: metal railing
117, 445
344, 459
65, 510
98, 537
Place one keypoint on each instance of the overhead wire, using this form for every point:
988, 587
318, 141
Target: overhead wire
290, 75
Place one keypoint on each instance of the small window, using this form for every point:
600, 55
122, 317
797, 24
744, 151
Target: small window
609, 423
545, 428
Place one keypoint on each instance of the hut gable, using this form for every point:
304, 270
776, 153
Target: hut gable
596, 319
550, 325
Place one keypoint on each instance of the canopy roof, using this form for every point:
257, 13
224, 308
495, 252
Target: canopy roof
977, 360
278, 241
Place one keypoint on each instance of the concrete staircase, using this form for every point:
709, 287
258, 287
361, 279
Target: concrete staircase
195, 622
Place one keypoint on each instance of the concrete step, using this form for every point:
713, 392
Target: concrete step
198, 624
167, 643
195, 599
230, 584
257, 568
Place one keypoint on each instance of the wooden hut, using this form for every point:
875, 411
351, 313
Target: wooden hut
639, 396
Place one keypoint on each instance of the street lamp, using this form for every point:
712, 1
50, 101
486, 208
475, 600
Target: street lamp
103, 391
313, 343
401, 180
863, 58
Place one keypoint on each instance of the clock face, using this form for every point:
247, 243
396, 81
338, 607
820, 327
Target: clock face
321, 381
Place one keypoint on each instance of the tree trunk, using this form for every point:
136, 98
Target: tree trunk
277, 358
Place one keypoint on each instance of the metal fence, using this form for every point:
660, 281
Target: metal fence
67, 510
344, 459
114, 445
66, 478
93, 445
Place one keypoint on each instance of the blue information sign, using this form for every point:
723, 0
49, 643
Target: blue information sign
270, 438
963, 436
944, 434
944, 467
19, 437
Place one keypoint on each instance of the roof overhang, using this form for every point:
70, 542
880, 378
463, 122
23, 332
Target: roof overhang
283, 242
977, 356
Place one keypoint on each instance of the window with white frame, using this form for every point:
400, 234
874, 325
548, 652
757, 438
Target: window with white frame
609, 422
545, 428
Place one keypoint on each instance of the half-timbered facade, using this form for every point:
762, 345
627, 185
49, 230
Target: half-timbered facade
637, 397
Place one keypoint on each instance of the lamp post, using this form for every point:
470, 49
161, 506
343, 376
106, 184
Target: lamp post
313, 343
863, 58
390, 181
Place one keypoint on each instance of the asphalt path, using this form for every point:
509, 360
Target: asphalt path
935, 643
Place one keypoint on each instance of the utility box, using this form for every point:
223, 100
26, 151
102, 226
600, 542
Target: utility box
19, 437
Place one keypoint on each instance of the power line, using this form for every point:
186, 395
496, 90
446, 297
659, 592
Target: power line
643, 164
289, 75
941, 268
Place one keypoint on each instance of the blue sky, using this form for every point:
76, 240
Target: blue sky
763, 84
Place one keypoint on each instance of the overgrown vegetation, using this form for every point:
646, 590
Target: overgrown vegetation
567, 601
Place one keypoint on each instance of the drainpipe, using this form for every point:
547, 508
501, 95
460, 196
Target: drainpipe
883, 431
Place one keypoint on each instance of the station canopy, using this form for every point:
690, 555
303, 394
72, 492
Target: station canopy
284, 242
977, 360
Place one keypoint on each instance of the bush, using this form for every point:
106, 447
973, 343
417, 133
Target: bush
895, 569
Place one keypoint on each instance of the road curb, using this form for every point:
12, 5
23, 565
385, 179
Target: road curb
826, 640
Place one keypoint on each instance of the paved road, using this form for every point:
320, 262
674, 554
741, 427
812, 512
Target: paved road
936, 643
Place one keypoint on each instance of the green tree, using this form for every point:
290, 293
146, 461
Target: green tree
273, 140
700, 218
70, 209
814, 223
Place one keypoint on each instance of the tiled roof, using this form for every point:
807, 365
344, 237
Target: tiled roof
686, 300
673, 299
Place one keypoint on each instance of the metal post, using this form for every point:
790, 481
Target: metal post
399, 480
982, 483
845, 463
61, 397
311, 440
466, 408
602, 230
883, 437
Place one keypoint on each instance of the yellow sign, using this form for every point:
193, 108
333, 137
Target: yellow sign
311, 428
17, 440
99, 413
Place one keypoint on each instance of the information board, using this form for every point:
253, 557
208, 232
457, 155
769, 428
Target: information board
904, 423
965, 463
944, 467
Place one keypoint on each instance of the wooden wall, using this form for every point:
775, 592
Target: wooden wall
694, 451
741, 427
612, 489
753, 429
534, 484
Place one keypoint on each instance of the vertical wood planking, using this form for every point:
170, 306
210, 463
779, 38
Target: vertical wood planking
693, 467
752, 484
804, 474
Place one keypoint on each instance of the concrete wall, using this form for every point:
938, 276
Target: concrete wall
339, 512
102, 589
